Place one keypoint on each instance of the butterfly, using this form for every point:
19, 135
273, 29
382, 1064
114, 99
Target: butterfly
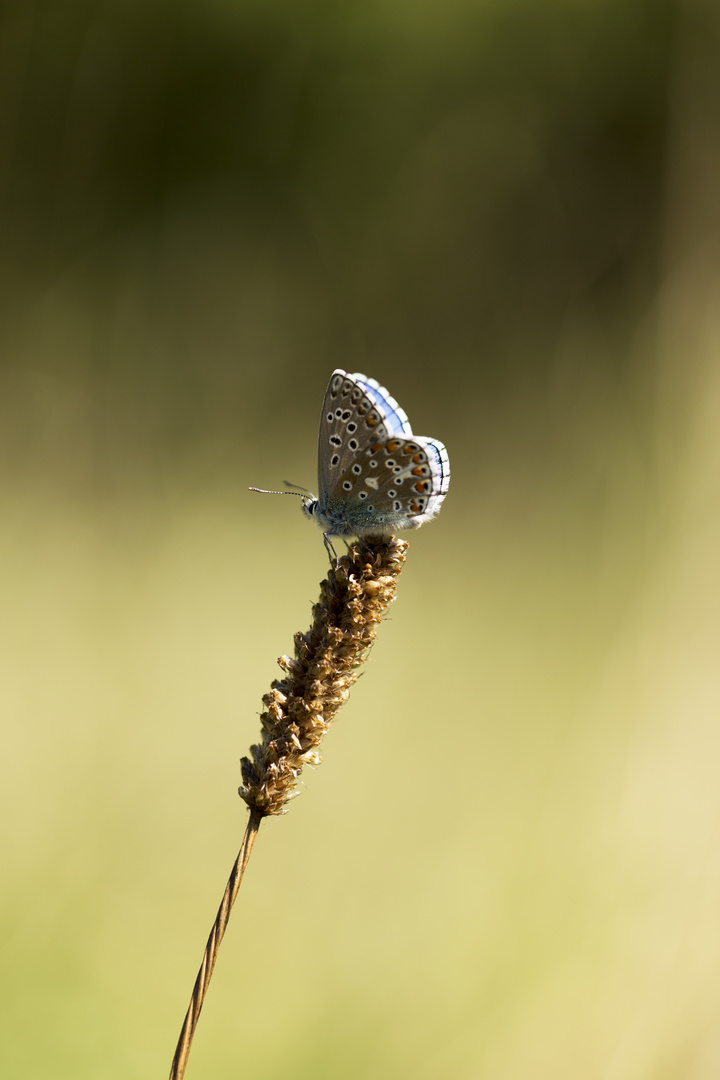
375, 477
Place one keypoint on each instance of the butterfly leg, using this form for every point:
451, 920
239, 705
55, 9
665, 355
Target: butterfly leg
332, 553
364, 544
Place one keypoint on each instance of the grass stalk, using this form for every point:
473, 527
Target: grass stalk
299, 710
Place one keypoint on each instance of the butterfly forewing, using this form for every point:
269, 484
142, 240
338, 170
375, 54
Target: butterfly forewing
394, 417
356, 410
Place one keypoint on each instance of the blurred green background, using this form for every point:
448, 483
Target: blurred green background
508, 213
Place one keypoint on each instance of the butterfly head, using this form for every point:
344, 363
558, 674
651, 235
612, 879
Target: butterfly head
310, 506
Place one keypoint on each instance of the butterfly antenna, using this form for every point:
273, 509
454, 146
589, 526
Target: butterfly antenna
298, 488
263, 491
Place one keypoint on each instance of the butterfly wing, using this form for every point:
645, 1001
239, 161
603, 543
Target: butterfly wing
394, 418
396, 483
356, 411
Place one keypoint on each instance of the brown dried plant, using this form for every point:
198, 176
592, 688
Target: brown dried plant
298, 712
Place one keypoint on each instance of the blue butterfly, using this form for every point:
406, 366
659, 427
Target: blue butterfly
374, 476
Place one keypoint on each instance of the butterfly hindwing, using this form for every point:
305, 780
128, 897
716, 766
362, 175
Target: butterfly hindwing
396, 483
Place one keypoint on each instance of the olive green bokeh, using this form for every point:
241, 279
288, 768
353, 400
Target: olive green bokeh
508, 864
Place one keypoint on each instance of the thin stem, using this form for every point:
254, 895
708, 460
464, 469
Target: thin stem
182, 1051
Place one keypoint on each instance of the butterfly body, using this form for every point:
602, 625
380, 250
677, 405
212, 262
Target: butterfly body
375, 477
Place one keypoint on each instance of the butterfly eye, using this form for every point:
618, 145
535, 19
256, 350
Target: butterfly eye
352, 428
335, 440
347, 485
335, 459
353, 444
357, 469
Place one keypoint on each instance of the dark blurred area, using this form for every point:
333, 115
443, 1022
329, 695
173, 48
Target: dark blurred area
204, 208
